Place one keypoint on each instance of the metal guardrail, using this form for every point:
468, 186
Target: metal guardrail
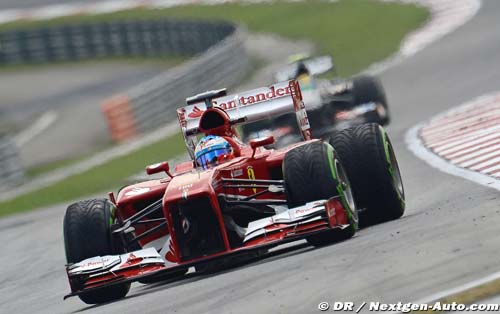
153, 103
11, 171
110, 39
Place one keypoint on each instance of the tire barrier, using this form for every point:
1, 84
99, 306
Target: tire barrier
153, 103
118, 114
11, 171
110, 39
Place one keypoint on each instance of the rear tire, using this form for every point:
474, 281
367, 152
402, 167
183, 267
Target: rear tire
369, 89
87, 233
313, 172
368, 157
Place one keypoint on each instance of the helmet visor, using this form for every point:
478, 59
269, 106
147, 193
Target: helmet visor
210, 158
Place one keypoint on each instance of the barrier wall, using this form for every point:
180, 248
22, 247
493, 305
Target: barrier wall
11, 172
110, 39
154, 103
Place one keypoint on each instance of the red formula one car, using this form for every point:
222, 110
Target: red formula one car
231, 200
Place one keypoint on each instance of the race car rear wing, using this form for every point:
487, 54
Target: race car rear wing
246, 107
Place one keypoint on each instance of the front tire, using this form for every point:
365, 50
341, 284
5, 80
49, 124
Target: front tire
87, 233
313, 172
368, 157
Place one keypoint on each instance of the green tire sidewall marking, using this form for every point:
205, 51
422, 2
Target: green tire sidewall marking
112, 210
330, 160
386, 151
340, 191
389, 163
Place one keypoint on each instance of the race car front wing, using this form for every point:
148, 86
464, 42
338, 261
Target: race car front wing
290, 225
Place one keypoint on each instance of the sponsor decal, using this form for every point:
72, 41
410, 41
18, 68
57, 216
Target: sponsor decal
331, 211
251, 176
131, 260
186, 186
303, 119
137, 191
273, 93
196, 113
300, 110
302, 211
185, 190
181, 114
237, 173
95, 263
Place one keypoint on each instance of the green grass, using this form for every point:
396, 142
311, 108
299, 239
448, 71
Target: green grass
35, 171
108, 176
355, 32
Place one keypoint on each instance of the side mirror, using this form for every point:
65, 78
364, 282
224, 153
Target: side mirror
259, 142
159, 167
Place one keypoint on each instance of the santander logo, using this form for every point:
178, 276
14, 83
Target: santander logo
272, 93
196, 113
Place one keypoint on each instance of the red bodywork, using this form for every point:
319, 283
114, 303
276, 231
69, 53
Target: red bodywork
201, 191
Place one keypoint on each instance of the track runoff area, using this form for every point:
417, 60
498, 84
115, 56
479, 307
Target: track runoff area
464, 141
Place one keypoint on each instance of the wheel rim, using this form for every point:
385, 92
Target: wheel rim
346, 190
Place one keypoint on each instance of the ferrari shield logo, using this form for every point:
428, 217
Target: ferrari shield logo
251, 176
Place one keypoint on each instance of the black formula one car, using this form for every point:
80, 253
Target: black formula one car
331, 105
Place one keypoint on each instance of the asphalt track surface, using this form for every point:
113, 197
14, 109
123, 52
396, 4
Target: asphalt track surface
448, 236
74, 93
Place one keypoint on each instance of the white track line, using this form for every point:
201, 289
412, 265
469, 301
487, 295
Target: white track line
446, 16
40, 125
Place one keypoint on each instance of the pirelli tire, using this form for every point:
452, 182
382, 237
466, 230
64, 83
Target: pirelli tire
367, 89
312, 172
87, 233
370, 162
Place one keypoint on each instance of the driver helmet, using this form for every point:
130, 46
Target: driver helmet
211, 150
301, 70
